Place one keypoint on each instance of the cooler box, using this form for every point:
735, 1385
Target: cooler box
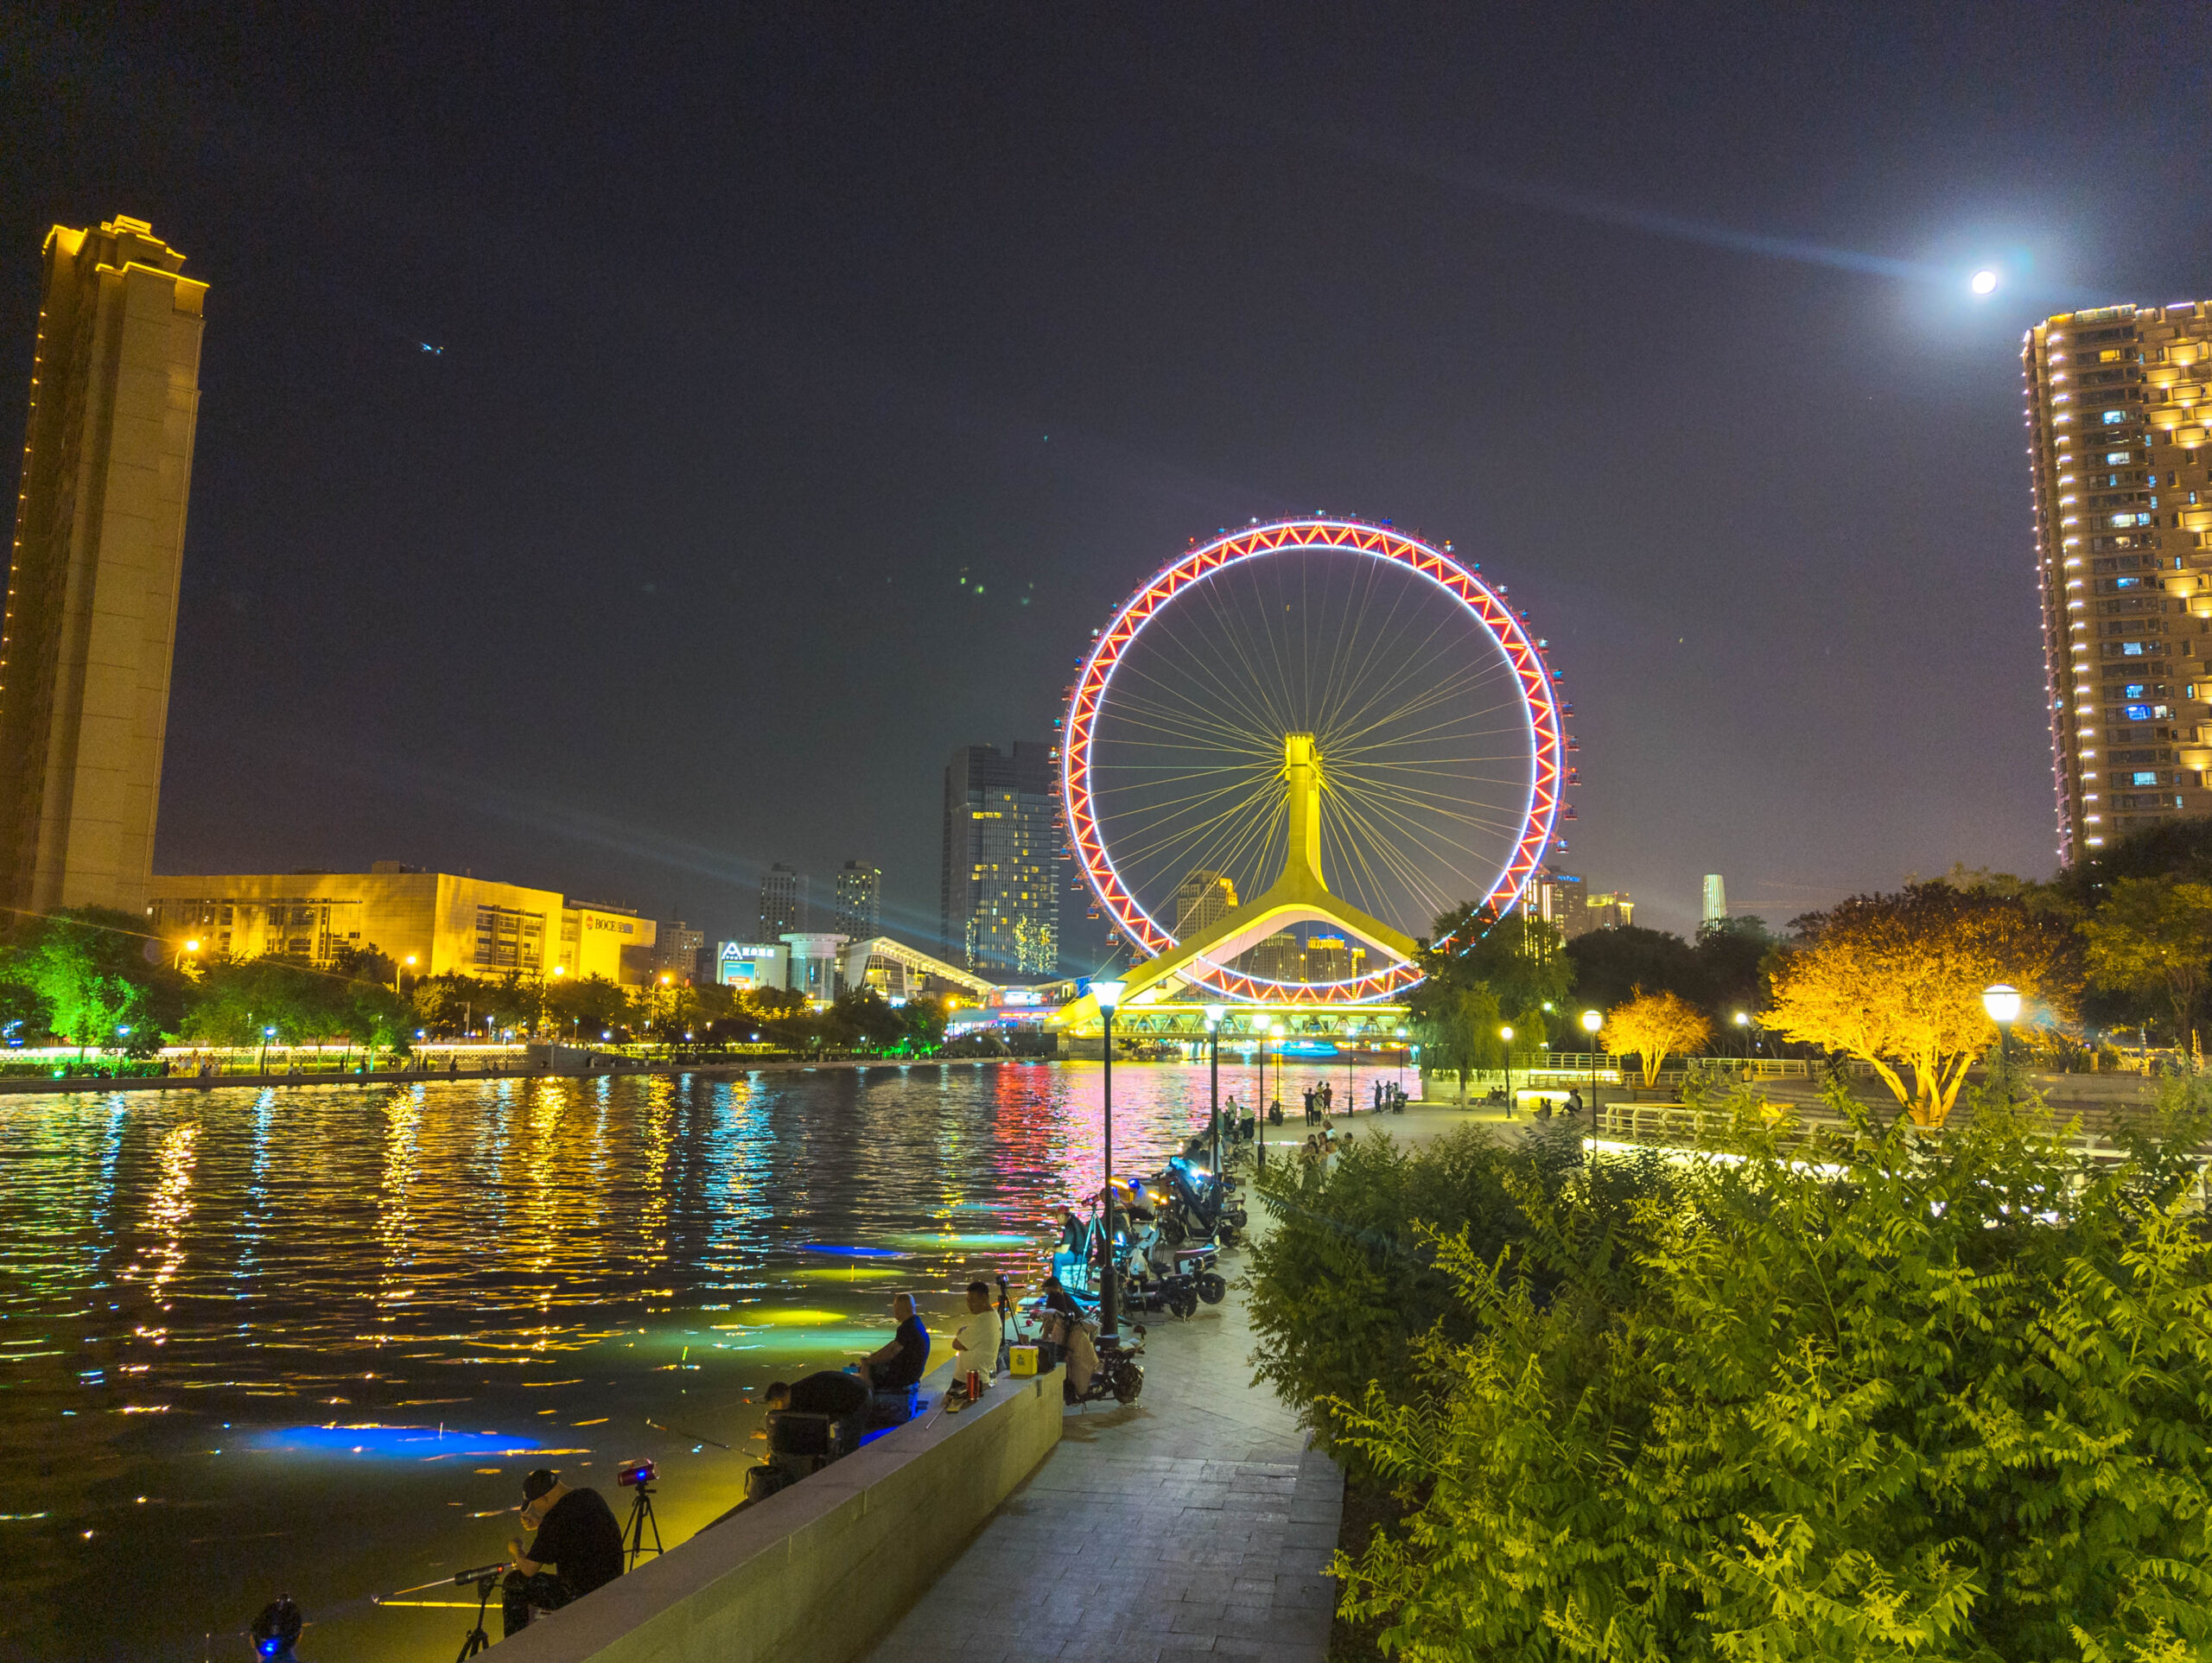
1021, 1361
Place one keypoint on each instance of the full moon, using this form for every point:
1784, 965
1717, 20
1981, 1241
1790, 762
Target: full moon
1985, 283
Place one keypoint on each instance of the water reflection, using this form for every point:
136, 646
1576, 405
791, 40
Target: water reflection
323, 1331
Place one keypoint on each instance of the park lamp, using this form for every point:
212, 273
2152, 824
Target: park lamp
1505, 1033
1108, 993
1591, 1021
1216, 1015
1743, 1021
2002, 1002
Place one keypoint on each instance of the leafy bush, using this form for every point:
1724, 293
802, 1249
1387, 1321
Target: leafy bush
1347, 1286
1883, 1396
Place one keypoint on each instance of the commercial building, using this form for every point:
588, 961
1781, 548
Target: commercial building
1560, 899
472, 926
1611, 910
90, 621
1715, 909
1005, 859
783, 901
1279, 957
676, 951
2117, 416
859, 901
1203, 899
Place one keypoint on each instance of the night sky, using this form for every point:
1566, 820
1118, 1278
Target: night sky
758, 328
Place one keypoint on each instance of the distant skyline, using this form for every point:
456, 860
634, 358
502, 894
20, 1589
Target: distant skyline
631, 456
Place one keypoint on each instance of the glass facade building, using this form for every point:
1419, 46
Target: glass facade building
1005, 859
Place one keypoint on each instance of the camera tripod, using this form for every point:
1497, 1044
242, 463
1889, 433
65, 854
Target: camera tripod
477, 1640
634, 1532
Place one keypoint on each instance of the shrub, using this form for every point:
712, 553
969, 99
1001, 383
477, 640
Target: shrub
1347, 1286
1878, 1395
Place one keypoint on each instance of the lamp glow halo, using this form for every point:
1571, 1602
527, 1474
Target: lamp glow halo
1529, 776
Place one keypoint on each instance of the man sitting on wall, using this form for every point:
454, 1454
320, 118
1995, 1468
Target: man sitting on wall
829, 1393
975, 1343
577, 1537
895, 1366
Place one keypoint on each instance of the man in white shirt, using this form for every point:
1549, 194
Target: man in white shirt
975, 1342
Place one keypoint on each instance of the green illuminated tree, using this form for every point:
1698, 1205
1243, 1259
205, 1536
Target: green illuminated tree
88, 970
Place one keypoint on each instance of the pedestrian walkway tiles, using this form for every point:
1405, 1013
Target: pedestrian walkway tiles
1193, 1521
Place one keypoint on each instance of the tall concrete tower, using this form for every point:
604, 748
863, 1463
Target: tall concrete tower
1715, 909
93, 583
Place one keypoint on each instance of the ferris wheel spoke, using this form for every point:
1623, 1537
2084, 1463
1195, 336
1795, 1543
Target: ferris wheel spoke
1466, 683
1426, 835
1255, 720
1173, 704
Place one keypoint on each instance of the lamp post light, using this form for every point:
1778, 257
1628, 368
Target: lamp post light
189, 947
1109, 994
1261, 1120
2002, 1002
1216, 1015
1401, 1062
1591, 1021
398, 991
1506, 1034
267, 1034
1744, 1023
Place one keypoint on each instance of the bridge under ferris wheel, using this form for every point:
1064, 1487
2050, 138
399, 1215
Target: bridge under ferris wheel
1334, 698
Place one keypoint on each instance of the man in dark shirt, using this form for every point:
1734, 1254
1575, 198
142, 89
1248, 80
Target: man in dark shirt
826, 1394
896, 1366
576, 1536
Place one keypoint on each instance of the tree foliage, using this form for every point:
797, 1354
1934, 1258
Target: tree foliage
1880, 1397
2153, 936
1720, 973
1347, 1284
1494, 972
1897, 981
1654, 1026
89, 980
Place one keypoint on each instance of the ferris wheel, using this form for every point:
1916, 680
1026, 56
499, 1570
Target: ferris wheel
1299, 746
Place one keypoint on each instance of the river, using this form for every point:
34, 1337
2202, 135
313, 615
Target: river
308, 1341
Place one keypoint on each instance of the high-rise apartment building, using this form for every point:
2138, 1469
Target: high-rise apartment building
676, 951
1203, 899
859, 901
1005, 858
93, 581
783, 902
2118, 401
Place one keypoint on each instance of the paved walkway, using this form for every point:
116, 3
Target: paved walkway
1195, 1520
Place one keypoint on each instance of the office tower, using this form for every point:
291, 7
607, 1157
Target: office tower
676, 950
2117, 434
93, 584
1203, 899
1279, 957
1005, 858
859, 901
783, 902
1715, 909
1557, 897
1609, 912
1328, 958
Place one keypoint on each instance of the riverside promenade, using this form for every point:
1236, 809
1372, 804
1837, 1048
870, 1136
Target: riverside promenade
1194, 1521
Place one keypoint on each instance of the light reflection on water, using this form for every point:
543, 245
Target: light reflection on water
322, 1332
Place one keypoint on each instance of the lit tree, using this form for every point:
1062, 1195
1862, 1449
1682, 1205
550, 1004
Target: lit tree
2154, 935
1897, 981
1654, 1026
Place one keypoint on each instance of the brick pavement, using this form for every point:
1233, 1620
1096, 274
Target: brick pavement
1193, 1521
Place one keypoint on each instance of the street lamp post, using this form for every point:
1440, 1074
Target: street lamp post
1506, 1034
1591, 1021
1744, 1023
267, 1034
399, 991
2002, 1002
1261, 1122
1401, 1062
1216, 1015
1109, 994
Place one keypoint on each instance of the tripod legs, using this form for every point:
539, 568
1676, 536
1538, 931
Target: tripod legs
634, 1533
477, 1640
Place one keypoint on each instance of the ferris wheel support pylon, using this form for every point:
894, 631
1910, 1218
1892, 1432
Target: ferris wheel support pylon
1299, 895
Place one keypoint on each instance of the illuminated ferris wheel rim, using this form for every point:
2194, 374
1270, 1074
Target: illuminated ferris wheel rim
1542, 711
